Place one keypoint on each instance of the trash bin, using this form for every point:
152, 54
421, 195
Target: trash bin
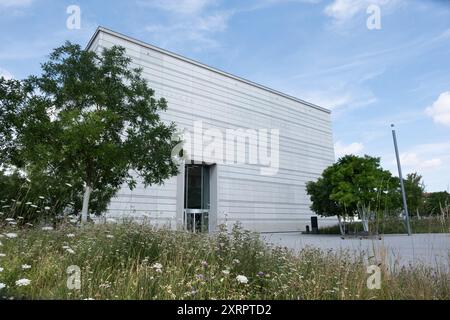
314, 225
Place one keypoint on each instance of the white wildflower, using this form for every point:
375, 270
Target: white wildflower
226, 272
236, 261
2, 255
70, 235
1, 269
110, 236
104, 285
23, 282
47, 208
11, 235
9, 219
2, 286
41, 197
47, 228
157, 266
242, 279
26, 266
69, 250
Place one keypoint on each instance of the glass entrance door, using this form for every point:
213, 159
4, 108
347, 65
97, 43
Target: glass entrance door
196, 198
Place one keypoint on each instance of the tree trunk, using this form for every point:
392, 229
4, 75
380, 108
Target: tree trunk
364, 213
340, 226
85, 209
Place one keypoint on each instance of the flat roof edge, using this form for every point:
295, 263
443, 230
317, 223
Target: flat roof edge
199, 64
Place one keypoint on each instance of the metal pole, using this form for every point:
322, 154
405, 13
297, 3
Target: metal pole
405, 206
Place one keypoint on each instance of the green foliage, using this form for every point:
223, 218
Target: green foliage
352, 183
414, 189
12, 95
320, 192
394, 225
10, 185
437, 203
88, 120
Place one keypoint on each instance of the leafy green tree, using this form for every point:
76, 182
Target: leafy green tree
12, 94
436, 202
9, 186
414, 189
354, 186
88, 124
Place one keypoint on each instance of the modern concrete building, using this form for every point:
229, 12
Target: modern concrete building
267, 145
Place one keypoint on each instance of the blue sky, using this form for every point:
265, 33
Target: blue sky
318, 50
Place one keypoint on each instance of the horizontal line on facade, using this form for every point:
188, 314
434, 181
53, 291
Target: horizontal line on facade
241, 95
149, 196
174, 55
259, 219
207, 121
260, 181
261, 202
256, 112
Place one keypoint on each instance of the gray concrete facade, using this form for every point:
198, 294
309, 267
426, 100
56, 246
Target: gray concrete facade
239, 192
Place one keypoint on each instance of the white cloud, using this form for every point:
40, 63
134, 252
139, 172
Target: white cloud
6, 74
198, 22
341, 150
178, 6
340, 98
193, 30
414, 162
327, 100
15, 3
344, 10
188, 22
431, 160
440, 109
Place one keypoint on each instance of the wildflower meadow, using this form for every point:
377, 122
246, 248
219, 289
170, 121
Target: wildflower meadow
135, 261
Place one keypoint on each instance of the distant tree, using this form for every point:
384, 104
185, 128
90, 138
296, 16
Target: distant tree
320, 192
414, 189
12, 94
354, 186
9, 186
87, 125
436, 202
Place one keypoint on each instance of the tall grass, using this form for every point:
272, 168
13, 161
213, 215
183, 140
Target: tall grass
134, 261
